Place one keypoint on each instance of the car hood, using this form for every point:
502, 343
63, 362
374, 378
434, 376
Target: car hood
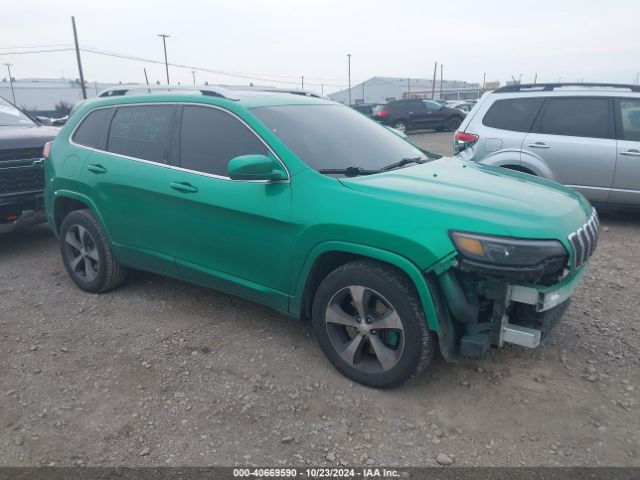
26, 137
481, 198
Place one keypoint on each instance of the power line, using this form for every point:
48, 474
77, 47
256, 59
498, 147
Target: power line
38, 46
246, 76
37, 51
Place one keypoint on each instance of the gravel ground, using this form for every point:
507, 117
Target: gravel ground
160, 372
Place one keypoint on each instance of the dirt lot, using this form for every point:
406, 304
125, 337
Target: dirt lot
160, 372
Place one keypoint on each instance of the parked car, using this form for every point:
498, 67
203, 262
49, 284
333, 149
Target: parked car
308, 207
365, 108
586, 136
21, 174
416, 114
464, 106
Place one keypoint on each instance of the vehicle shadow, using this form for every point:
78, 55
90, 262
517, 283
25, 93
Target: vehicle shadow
619, 217
24, 240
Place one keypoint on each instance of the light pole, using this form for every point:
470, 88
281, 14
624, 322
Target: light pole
349, 73
164, 43
193, 72
13, 94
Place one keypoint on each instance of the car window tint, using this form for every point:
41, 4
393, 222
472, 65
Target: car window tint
142, 131
209, 138
577, 117
92, 127
630, 112
515, 114
431, 105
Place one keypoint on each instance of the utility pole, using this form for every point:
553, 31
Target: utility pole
164, 43
75, 39
433, 86
535, 78
302, 82
349, 73
363, 91
484, 81
322, 89
193, 72
13, 94
408, 88
441, 79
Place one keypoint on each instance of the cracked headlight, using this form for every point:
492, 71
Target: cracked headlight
506, 251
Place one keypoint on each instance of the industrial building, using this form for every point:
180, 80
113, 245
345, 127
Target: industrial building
384, 89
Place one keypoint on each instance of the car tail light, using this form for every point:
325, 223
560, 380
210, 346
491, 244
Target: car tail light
46, 151
382, 114
463, 140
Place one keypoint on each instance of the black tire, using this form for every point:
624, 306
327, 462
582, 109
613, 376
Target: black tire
453, 124
81, 235
418, 343
400, 125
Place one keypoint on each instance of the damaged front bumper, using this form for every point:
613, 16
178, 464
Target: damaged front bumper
481, 312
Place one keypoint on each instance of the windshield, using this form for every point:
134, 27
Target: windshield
336, 137
10, 116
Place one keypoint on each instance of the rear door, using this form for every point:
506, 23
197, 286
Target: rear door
573, 137
413, 111
501, 129
626, 180
129, 181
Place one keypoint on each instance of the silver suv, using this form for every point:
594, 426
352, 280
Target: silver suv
586, 136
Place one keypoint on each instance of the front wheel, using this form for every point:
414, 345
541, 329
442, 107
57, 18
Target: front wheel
87, 255
370, 324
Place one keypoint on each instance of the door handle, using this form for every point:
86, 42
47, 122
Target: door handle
96, 168
539, 145
631, 153
183, 187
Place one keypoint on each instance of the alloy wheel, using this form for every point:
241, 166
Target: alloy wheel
365, 329
82, 253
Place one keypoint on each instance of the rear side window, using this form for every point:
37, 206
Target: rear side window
209, 138
576, 117
515, 114
630, 112
142, 132
92, 128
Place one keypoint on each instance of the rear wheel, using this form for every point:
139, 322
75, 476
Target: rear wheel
370, 324
400, 125
87, 255
453, 123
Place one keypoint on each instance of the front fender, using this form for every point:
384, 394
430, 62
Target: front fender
408, 267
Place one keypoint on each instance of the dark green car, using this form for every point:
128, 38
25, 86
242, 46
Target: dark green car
309, 207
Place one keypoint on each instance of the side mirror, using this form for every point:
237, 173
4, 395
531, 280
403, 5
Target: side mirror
255, 167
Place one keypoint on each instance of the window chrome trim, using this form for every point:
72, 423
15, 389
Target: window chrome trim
173, 167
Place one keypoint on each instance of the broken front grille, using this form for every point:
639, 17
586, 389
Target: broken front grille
584, 240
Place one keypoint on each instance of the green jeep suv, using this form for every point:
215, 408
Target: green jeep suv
313, 209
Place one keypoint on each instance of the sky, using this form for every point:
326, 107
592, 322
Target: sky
276, 42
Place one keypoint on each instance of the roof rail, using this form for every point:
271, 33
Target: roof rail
548, 87
149, 89
292, 91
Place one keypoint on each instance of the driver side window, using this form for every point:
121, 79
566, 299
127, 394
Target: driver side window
210, 137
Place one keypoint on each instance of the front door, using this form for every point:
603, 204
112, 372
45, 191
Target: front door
626, 181
574, 138
232, 235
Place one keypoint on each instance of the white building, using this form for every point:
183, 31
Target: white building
384, 89
40, 95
